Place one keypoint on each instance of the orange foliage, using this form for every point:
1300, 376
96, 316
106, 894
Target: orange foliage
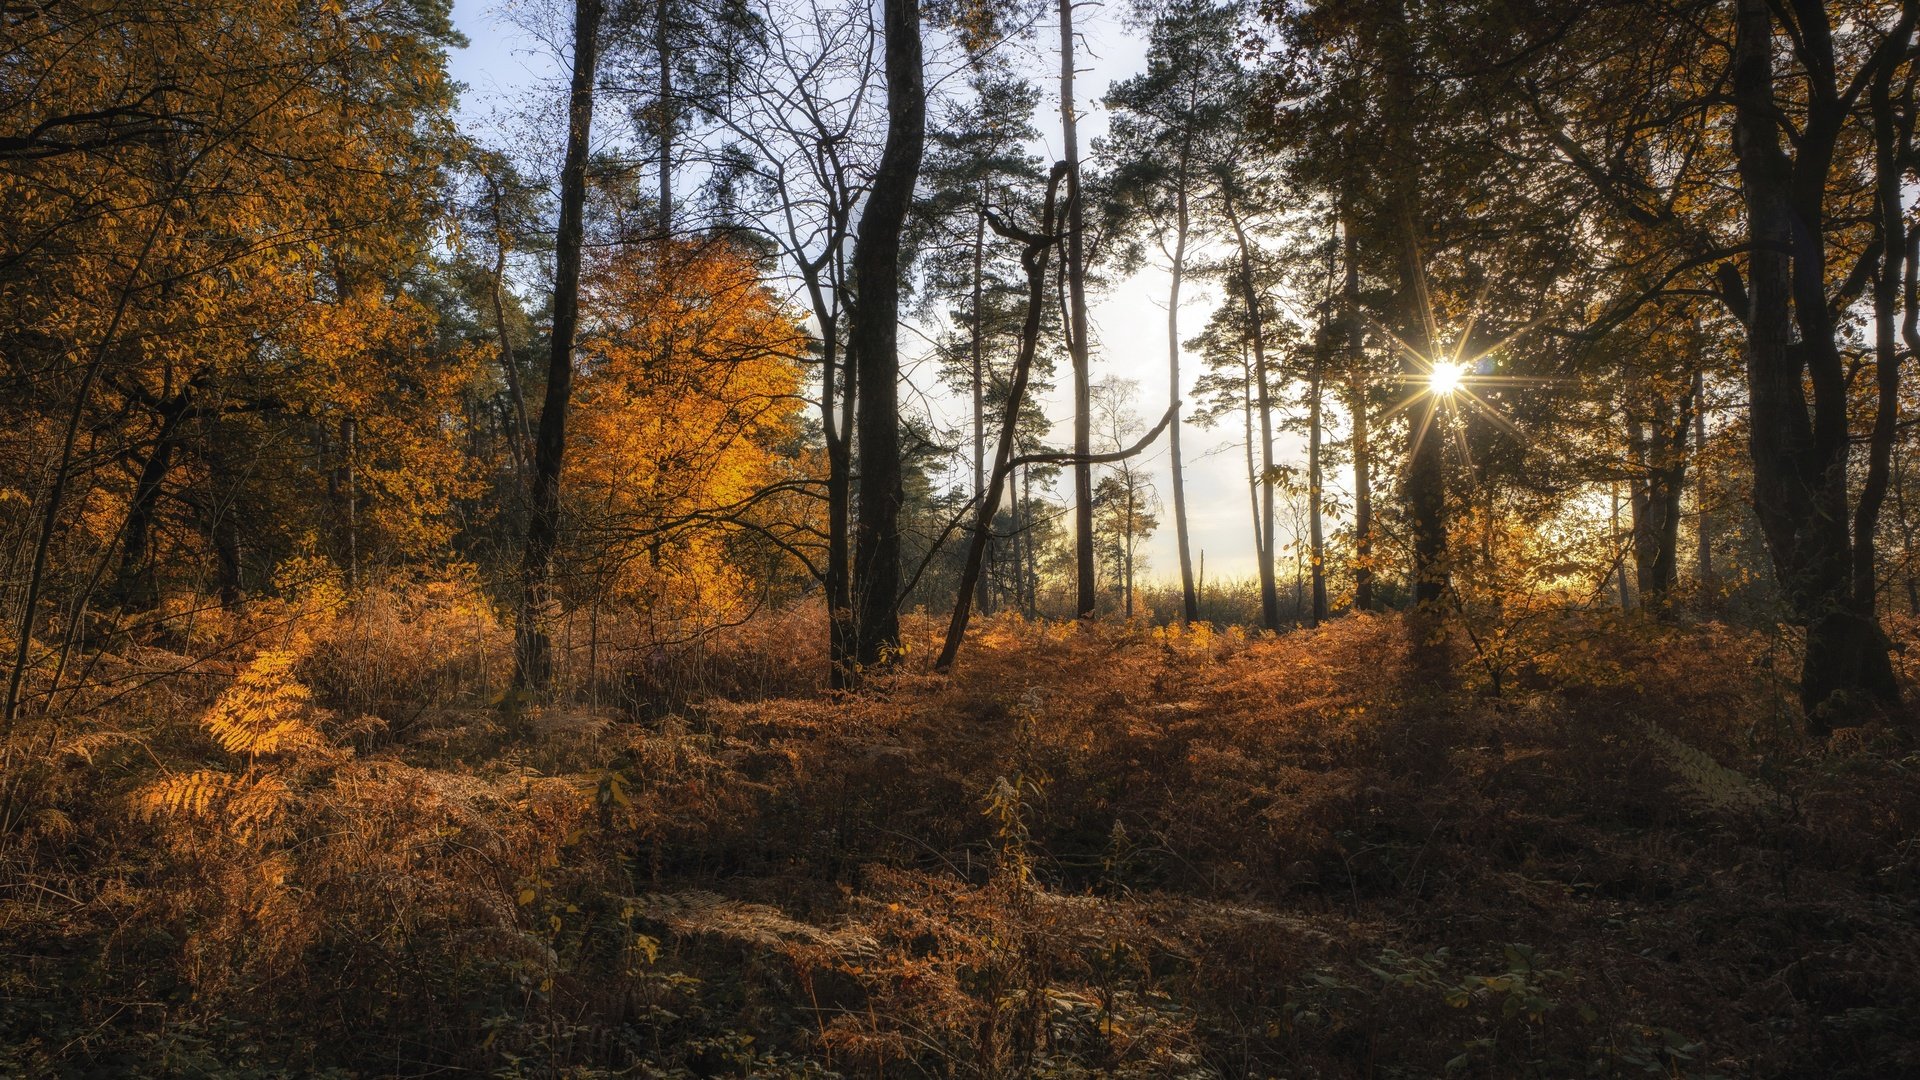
687, 408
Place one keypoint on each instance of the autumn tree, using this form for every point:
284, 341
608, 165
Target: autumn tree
166, 187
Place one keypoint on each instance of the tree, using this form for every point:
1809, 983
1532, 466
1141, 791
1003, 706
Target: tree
1126, 503
1035, 245
1165, 123
1234, 191
679, 60
808, 137
1232, 348
1074, 270
671, 466
167, 186
978, 161
1801, 442
533, 650
874, 341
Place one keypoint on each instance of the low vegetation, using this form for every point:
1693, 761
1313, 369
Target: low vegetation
1094, 850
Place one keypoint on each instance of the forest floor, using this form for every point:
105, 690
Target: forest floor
1101, 851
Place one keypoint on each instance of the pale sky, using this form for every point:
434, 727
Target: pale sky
504, 65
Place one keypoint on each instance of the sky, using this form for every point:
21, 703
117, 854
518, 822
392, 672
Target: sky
504, 65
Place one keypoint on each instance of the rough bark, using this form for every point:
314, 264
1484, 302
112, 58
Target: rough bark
874, 342
1316, 537
982, 595
1357, 411
1703, 557
1800, 447
135, 587
533, 649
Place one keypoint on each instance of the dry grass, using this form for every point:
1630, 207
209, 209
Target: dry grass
1111, 851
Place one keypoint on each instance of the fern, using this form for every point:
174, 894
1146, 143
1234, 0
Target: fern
1708, 783
257, 806
243, 805
267, 710
196, 795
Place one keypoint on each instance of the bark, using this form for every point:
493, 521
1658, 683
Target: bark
982, 596
135, 588
1426, 476
1261, 393
1890, 153
349, 437
1076, 276
1189, 599
1619, 561
1253, 469
1357, 409
523, 430
1704, 556
1659, 449
1800, 447
839, 588
533, 649
1426, 473
876, 274
1316, 538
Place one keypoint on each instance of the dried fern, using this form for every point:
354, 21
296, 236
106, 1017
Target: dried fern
243, 805
198, 795
267, 710
1708, 783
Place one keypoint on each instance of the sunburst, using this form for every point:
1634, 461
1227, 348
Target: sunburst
1444, 385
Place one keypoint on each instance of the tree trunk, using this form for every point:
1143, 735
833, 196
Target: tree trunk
1704, 557
349, 468
1800, 456
1357, 409
1317, 550
533, 649
1620, 559
1261, 559
1034, 260
1426, 470
982, 596
523, 430
876, 276
1425, 484
135, 587
1076, 275
1660, 455
1256, 331
1126, 553
1189, 599
1891, 146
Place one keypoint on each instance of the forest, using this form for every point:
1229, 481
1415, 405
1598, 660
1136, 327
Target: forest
959, 538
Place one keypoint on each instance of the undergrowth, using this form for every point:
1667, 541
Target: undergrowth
342, 845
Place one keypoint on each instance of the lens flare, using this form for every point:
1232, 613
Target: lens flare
1444, 379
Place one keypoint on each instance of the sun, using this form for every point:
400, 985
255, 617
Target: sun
1445, 377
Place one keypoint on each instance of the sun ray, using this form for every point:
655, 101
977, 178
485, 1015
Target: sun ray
1466, 451
1411, 352
1466, 332
1420, 433
1490, 412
